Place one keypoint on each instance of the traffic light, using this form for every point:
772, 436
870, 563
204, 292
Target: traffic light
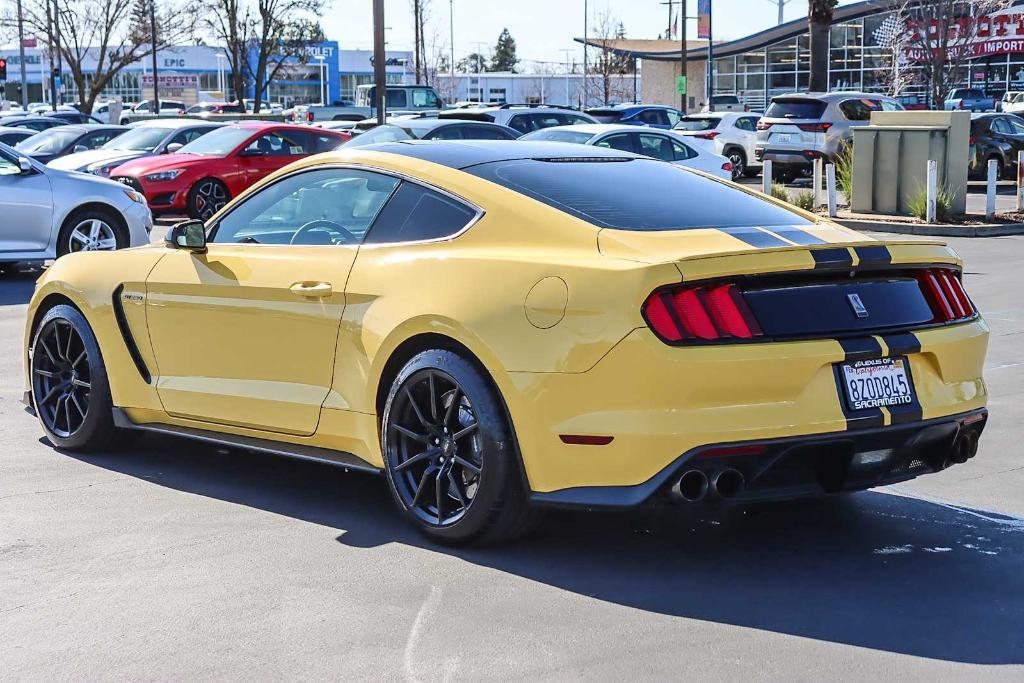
3, 69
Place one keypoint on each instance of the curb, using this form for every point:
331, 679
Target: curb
988, 230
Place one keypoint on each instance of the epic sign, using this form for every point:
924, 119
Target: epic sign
995, 34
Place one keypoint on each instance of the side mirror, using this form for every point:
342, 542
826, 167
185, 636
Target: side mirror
173, 147
250, 152
77, 149
189, 235
25, 165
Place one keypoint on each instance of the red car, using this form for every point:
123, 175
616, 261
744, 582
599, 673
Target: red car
205, 174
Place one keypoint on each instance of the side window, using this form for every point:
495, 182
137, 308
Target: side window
891, 106
573, 119
673, 117
276, 145
425, 98
859, 110
186, 136
8, 166
415, 214
327, 206
319, 142
657, 146
96, 139
654, 117
618, 141
1001, 125
1017, 126
396, 97
478, 132
746, 123
682, 152
453, 132
520, 123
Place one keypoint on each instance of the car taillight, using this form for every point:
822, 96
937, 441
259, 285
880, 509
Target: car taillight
945, 295
814, 127
700, 312
973, 139
727, 166
309, 116
710, 135
762, 125
960, 104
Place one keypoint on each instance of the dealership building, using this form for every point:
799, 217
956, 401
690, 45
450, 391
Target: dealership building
777, 60
190, 73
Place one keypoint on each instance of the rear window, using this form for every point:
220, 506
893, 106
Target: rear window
960, 93
606, 115
697, 123
795, 109
557, 135
724, 99
649, 195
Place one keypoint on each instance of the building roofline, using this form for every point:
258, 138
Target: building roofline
757, 40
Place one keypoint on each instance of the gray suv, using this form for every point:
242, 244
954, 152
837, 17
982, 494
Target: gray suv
524, 118
796, 129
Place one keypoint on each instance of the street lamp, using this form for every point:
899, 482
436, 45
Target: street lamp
220, 76
567, 51
320, 71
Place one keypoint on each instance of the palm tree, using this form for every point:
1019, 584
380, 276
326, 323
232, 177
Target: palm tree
819, 20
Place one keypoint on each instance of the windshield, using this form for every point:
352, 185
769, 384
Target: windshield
49, 141
649, 195
696, 123
218, 143
553, 135
138, 139
795, 109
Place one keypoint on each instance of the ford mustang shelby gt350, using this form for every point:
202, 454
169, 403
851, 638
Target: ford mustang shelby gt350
499, 326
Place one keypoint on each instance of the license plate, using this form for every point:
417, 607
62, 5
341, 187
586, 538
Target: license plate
877, 383
785, 138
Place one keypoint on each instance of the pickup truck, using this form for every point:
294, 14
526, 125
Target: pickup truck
968, 99
401, 99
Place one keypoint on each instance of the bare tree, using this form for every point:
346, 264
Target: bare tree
420, 16
940, 34
229, 22
609, 67
107, 33
282, 30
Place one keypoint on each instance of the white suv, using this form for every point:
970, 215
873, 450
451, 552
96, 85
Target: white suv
733, 135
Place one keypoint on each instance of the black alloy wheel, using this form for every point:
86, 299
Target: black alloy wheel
739, 164
436, 455
61, 378
70, 391
450, 453
207, 198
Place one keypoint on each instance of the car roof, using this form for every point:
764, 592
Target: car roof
598, 128
629, 106
30, 117
432, 123
831, 96
462, 154
89, 127
17, 129
175, 123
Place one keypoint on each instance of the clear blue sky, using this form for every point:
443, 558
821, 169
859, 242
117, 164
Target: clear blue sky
542, 28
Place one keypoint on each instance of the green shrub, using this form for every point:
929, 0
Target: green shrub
779, 191
844, 172
804, 200
918, 204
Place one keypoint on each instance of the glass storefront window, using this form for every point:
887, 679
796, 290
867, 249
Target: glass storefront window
782, 56
752, 62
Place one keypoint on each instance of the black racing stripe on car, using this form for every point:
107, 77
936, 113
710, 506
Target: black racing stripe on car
861, 348
839, 257
855, 419
911, 412
756, 237
902, 344
129, 339
873, 256
797, 236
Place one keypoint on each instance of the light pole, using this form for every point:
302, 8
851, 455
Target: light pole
379, 76
320, 72
152, 36
220, 76
567, 51
451, 39
60, 57
583, 105
21, 52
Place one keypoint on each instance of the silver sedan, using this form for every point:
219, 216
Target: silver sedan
46, 213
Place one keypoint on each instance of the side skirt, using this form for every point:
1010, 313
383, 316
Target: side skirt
290, 450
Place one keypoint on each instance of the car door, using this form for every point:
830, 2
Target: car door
1001, 136
746, 130
1017, 136
245, 334
271, 151
26, 203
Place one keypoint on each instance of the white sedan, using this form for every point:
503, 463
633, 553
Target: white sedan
660, 144
48, 212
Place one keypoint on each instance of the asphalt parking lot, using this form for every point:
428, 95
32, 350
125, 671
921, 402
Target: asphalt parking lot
175, 560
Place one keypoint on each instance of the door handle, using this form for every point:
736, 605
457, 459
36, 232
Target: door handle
317, 290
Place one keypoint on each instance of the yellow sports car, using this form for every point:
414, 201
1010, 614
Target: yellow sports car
500, 326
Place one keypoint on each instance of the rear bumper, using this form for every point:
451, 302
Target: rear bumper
802, 466
784, 157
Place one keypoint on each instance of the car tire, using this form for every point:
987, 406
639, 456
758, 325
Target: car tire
70, 389
207, 197
92, 229
739, 162
450, 453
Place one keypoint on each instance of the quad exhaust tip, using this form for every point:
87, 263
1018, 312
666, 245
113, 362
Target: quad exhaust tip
694, 485
728, 483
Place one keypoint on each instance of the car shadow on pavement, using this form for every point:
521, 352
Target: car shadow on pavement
873, 570
16, 287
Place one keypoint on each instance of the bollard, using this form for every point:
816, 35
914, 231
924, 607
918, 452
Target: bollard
830, 185
1020, 181
933, 187
990, 188
766, 177
817, 182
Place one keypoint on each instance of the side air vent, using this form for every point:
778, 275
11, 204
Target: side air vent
126, 334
